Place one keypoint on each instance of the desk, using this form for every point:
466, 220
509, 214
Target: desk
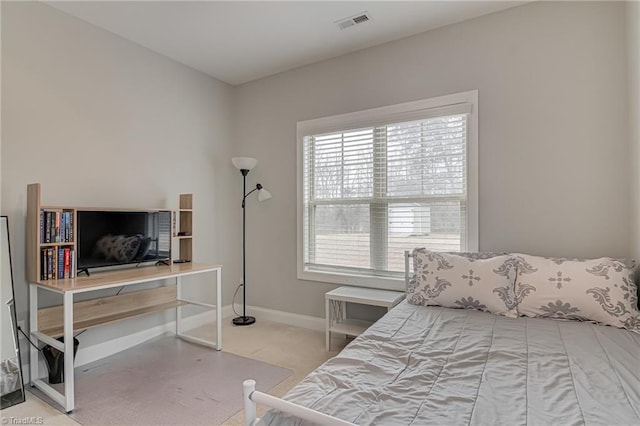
104, 280
336, 310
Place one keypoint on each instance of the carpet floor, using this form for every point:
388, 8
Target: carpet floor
167, 381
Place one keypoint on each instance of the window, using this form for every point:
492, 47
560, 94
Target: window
375, 183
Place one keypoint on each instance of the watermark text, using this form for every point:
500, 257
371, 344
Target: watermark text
23, 420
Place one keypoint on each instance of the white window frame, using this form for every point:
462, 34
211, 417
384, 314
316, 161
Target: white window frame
426, 107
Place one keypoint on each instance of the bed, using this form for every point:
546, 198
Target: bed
433, 365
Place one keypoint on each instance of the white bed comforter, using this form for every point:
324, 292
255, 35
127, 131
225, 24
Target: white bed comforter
438, 366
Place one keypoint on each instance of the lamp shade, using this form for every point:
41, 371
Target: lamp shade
263, 195
244, 163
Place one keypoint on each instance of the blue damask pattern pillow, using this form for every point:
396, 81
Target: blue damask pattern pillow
600, 290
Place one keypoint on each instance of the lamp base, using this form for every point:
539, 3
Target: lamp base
244, 320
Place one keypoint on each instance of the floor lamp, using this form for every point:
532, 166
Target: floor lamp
245, 164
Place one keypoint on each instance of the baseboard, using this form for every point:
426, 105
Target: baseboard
297, 320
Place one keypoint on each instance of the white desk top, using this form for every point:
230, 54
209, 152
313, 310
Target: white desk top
369, 296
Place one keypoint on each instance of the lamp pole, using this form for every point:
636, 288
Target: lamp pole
244, 319
245, 164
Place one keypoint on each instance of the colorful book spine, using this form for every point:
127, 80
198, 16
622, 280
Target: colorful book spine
63, 226
173, 224
43, 265
47, 236
71, 236
50, 264
67, 263
42, 226
60, 263
56, 230
57, 227
72, 271
67, 224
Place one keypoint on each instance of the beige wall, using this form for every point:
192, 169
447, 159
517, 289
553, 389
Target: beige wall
553, 167
633, 74
100, 121
137, 129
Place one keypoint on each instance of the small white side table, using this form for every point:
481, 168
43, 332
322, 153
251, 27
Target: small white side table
336, 309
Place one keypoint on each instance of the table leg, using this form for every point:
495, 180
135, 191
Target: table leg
33, 327
178, 308
327, 313
68, 352
219, 309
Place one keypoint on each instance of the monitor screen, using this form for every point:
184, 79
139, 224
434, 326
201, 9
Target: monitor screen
108, 238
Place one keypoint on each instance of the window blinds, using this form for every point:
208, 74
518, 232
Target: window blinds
371, 192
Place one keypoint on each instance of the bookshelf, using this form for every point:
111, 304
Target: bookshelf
51, 238
42, 238
185, 229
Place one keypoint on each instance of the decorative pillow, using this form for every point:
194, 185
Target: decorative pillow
105, 246
118, 247
474, 255
600, 290
471, 281
145, 243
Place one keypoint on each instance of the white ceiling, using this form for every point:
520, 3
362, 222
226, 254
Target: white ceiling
237, 41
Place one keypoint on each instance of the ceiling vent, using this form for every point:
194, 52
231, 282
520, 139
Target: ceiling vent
360, 18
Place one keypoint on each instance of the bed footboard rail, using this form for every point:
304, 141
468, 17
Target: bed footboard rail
253, 397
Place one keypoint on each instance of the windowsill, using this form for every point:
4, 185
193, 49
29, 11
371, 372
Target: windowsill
370, 281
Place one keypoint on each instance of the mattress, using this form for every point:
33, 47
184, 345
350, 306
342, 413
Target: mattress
438, 366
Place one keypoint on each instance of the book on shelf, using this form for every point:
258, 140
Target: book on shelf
72, 268
173, 223
71, 224
42, 222
50, 264
64, 228
57, 263
47, 224
60, 263
66, 262
56, 226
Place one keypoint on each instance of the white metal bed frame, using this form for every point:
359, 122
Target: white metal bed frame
252, 397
